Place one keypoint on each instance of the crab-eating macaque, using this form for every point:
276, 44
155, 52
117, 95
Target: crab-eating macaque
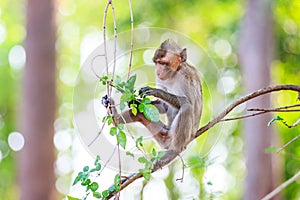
179, 96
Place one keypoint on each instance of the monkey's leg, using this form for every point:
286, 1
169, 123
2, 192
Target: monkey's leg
161, 106
158, 129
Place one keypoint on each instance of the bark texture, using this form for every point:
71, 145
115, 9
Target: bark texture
36, 163
255, 52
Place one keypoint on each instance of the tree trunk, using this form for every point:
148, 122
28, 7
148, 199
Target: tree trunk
255, 56
36, 163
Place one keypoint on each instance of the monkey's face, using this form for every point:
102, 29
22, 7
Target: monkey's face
167, 65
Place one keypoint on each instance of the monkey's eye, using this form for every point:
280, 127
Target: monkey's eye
162, 63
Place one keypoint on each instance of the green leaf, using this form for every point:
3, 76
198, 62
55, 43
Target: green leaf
113, 131
110, 120
271, 150
122, 106
139, 142
94, 186
77, 179
104, 77
142, 160
148, 165
141, 108
146, 100
120, 126
146, 174
72, 198
126, 97
105, 193
130, 83
151, 112
97, 195
160, 154
86, 182
134, 111
121, 138
86, 168
117, 182
118, 80
133, 105
209, 183
129, 154
278, 118
98, 167
153, 152
112, 188
97, 160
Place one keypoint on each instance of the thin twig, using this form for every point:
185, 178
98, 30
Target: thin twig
115, 42
106, 163
99, 133
281, 187
120, 169
104, 43
183, 167
273, 110
263, 111
131, 38
279, 108
287, 144
242, 117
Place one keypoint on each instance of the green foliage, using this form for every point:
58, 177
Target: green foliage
148, 164
117, 182
139, 142
109, 119
84, 178
129, 96
72, 198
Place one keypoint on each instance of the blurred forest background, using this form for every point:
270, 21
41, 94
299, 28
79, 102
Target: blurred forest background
44, 167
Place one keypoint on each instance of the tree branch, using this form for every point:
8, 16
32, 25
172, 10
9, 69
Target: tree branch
243, 100
212, 123
263, 111
281, 187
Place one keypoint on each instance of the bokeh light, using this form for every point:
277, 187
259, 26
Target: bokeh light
16, 141
2, 32
17, 57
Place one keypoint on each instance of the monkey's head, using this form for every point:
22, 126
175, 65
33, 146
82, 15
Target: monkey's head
167, 59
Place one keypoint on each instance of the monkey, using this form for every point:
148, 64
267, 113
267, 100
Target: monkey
179, 95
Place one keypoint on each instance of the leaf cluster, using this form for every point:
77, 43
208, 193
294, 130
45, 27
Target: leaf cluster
135, 101
84, 177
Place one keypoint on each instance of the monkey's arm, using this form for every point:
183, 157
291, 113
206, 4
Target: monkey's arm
172, 99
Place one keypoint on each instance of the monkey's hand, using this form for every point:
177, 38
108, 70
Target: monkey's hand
106, 101
166, 159
146, 91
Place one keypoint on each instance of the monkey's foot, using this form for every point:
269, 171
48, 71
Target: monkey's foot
106, 101
166, 159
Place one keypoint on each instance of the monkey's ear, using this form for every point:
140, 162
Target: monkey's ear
183, 55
